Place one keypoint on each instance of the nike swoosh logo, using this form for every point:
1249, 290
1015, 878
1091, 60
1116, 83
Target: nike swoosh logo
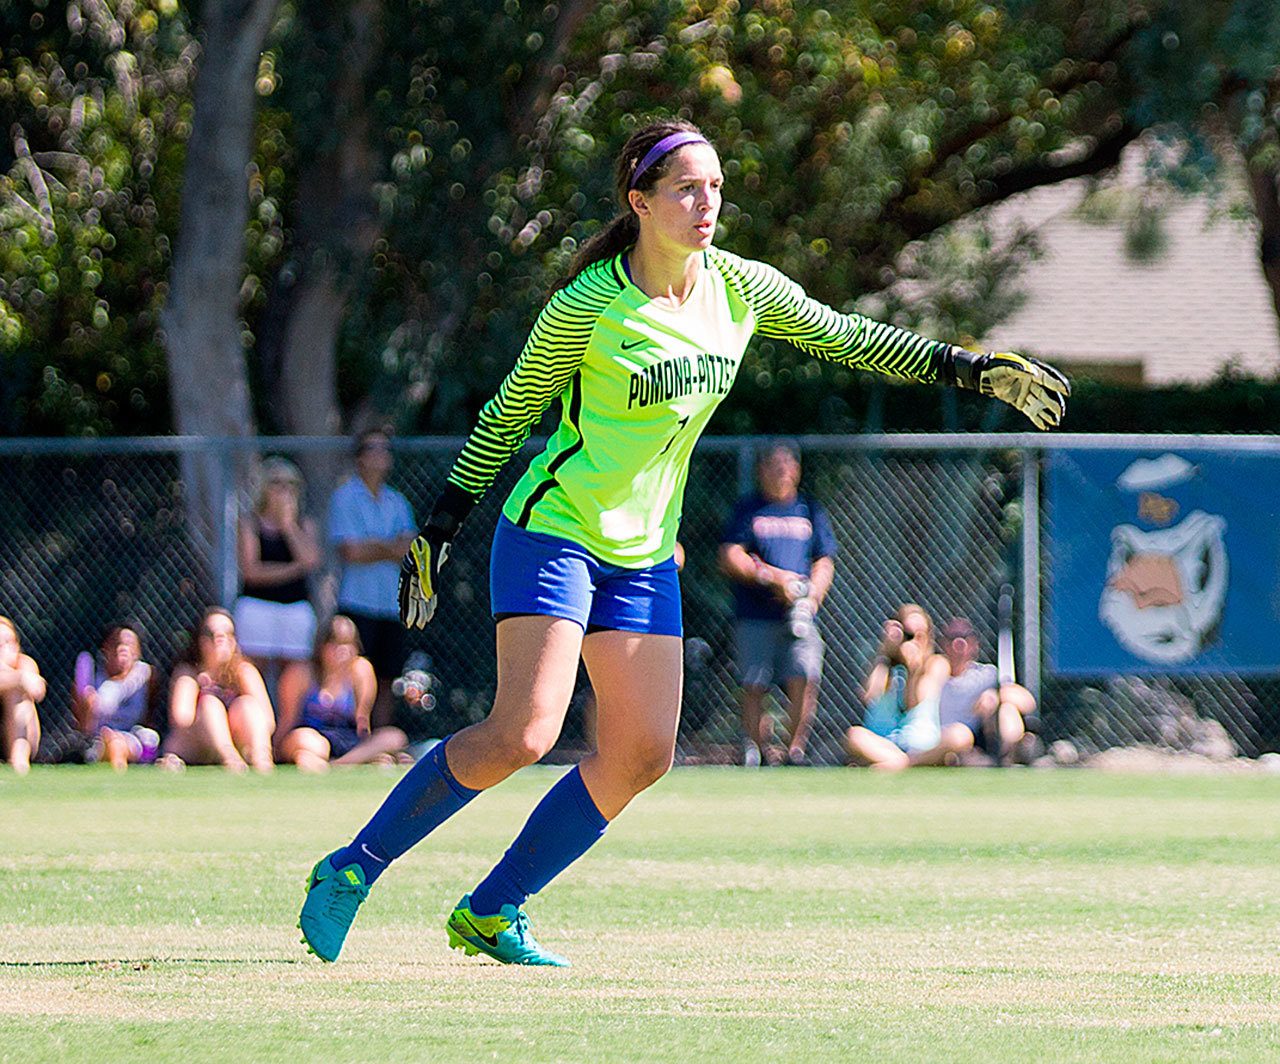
372, 854
634, 343
491, 939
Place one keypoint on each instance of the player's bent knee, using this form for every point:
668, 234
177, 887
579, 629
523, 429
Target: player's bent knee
650, 766
525, 747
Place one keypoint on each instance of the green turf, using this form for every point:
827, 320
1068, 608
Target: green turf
772, 915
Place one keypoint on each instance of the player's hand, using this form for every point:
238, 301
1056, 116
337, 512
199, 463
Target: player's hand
1028, 385
420, 577
419, 588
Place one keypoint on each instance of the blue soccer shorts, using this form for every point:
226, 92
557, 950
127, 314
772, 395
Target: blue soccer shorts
530, 572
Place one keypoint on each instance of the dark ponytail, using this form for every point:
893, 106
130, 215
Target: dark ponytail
622, 231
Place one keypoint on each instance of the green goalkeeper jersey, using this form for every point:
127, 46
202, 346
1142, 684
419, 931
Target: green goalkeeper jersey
638, 380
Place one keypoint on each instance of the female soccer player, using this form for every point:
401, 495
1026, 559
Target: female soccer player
640, 343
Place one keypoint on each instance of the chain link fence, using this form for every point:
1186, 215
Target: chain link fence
97, 531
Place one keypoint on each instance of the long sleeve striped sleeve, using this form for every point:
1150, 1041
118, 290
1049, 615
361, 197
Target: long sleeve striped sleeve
550, 358
784, 311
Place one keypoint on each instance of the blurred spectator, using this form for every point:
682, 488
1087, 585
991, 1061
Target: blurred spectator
371, 525
21, 687
327, 717
901, 694
219, 710
114, 700
975, 711
778, 549
278, 549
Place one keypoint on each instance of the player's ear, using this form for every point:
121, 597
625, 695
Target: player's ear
636, 198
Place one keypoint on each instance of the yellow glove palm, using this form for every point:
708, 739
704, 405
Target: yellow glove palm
1028, 385
419, 578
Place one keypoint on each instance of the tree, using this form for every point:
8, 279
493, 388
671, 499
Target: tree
93, 106
420, 173
329, 52
208, 379
1209, 73
847, 130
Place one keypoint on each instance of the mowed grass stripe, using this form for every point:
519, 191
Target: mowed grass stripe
752, 916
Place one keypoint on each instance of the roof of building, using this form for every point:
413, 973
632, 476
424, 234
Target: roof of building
1197, 306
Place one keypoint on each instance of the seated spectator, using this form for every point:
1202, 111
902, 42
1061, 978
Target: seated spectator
219, 710
278, 550
114, 700
975, 710
901, 694
21, 687
326, 719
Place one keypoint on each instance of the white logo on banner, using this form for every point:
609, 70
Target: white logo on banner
1165, 588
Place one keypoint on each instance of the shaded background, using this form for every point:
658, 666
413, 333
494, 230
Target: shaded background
237, 219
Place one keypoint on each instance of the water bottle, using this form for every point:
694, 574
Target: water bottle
800, 615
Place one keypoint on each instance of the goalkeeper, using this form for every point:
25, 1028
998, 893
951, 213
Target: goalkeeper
640, 345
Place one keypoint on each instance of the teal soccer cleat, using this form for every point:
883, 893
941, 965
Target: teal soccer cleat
505, 937
334, 896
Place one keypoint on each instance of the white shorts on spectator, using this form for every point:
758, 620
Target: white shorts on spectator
285, 630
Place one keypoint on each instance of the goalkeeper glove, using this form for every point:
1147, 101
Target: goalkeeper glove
1028, 385
420, 571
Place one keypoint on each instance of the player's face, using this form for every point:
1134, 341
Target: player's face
681, 210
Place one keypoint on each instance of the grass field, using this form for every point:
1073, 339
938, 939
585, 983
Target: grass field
777, 915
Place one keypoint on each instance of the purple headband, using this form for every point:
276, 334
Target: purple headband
667, 144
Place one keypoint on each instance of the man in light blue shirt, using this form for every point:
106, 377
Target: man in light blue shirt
371, 525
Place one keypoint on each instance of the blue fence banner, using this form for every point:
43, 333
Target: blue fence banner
1163, 562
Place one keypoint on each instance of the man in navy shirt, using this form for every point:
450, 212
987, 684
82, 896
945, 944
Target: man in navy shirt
778, 549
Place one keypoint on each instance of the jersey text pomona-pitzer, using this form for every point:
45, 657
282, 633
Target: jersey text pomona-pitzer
638, 381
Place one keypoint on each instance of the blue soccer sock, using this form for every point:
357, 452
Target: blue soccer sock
564, 826
422, 801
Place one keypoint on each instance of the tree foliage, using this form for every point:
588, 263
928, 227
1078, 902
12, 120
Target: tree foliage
850, 130
94, 103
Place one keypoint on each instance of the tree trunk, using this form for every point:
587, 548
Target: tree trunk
1264, 184
208, 381
336, 227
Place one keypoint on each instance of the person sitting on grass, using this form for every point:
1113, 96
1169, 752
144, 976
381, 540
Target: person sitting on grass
325, 719
21, 687
901, 695
113, 702
219, 709
975, 710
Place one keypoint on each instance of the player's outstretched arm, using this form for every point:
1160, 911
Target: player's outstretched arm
785, 311
1030, 386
